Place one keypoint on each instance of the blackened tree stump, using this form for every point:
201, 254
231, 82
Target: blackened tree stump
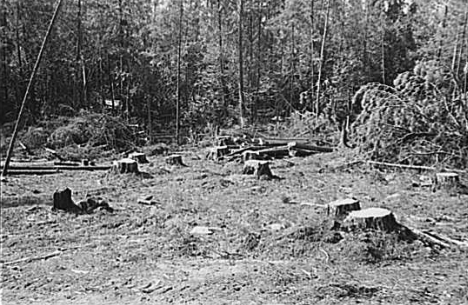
125, 166
139, 157
63, 201
175, 160
217, 152
373, 219
261, 169
340, 209
447, 180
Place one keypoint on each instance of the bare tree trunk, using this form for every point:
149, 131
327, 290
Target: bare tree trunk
312, 31
293, 66
31, 80
4, 59
179, 51
259, 58
221, 57
382, 49
241, 64
444, 23
322, 55
463, 40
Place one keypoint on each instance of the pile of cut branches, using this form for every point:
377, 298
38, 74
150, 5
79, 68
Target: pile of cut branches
420, 121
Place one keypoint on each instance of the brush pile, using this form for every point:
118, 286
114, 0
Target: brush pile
420, 121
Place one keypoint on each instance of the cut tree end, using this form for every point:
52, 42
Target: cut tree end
342, 207
372, 218
175, 160
125, 166
261, 169
447, 180
139, 157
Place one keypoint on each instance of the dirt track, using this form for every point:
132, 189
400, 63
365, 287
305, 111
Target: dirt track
266, 248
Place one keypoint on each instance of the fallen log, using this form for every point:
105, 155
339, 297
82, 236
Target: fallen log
279, 151
415, 167
241, 150
59, 167
298, 145
15, 172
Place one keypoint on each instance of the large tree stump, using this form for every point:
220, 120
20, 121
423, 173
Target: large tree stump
217, 152
63, 201
261, 169
372, 218
139, 157
175, 160
447, 180
125, 166
339, 209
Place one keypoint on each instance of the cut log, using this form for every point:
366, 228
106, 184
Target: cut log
15, 171
139, 157
217, 152
447, 180
274, 152
372, 218
310, 147
261, 169
175, 160
341, 208
125, 166
251, 155
63, 201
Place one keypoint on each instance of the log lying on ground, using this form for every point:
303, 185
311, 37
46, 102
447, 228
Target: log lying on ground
341, 208
372, 218
313, 148
217, 152
261, 169
90, 204
15, 172
251, 155
63, 201
139, 157
125, 166
175, 160
414, 167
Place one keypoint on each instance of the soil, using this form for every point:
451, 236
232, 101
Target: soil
262, 246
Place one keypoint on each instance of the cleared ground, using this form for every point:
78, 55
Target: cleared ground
266, 247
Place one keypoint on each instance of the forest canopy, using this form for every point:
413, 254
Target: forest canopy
215, 62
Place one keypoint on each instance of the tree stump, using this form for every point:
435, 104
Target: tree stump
139, 157
339, 209
447, 180
125, 166
217, 152
372, 218
251, 155
261, 169
175, 160
63, 201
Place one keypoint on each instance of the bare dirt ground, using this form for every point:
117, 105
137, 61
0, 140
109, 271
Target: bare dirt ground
265, 247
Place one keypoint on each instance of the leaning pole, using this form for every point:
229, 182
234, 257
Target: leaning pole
31, 80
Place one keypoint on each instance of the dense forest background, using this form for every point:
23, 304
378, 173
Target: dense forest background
223, 62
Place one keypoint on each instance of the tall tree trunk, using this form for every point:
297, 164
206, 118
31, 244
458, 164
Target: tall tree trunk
259, 58
444, 23
221, 58
463, 44
312, 70
382, 48
366, 33
19, 83
179, 53
322, 59
5, 76
31, 81
241, 64
293, 66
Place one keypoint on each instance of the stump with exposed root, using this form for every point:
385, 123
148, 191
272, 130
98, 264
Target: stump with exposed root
125, 166
139, 157
372, 218
340, 209
261, 169
63, 201
217, 152
175, 160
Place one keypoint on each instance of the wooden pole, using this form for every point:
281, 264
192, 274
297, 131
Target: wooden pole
31, 80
